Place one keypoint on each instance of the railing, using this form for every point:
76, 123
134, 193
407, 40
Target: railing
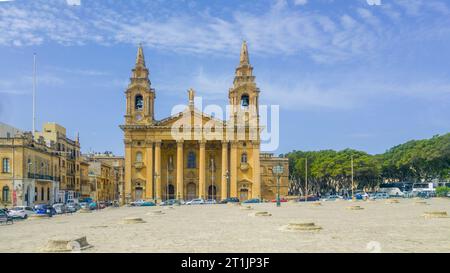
42, 176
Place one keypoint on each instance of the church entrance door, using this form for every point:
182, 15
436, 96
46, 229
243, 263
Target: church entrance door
243, 194
191, 191
138, 193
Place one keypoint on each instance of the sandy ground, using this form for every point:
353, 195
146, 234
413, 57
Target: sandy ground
224, 228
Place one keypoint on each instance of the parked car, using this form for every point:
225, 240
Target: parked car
361, 195
21, 212
5, 217
424, 194
92, 205
379, 195
229, 200
148, 204
60, 208
84, 205
252, 201
210, 201
310, 198
333, 198
170, 202
282, 199
136, 203
102, 205
45, 209
72, 207
198, 201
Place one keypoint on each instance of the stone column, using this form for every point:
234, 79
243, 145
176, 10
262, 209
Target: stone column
128, 159
157, 173
149, 170
256, 188
224, 186
233, 169
180, 165
201, 170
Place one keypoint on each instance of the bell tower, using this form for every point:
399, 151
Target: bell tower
140, 96
244, 95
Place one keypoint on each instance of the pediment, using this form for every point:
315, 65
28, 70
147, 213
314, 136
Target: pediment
191, 118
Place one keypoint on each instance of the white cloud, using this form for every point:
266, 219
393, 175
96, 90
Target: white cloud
279, 30
300, 2
276, 30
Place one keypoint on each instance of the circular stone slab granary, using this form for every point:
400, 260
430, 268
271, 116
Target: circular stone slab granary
132, 220
155, 213
246, 208
66, 244
355, 208
393, 201
435, 214
300, 226
261, 213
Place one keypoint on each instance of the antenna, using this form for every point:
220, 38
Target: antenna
34, 94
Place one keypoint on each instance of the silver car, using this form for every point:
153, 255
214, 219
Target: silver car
198, 201
21, 212
60, 208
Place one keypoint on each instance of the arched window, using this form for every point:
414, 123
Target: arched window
191, 160
244, 158
5, 165
42, 194
138, 157
245, 101
138, 102
5, 194
48, 194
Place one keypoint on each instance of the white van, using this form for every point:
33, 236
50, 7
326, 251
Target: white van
392, 189
423, 187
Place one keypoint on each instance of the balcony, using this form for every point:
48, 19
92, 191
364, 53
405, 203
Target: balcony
41, 176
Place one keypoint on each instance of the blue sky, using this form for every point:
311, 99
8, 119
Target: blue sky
345, 73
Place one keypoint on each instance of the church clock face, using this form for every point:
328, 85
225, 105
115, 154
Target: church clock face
138, 117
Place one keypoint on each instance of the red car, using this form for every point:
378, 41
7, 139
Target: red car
282, 199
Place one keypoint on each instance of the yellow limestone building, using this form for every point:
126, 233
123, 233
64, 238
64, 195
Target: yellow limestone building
192, 154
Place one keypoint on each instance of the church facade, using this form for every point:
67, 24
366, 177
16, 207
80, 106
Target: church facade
192, 154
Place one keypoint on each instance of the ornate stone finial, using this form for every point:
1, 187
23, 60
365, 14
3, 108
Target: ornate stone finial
191, 94
140, 60
244, 54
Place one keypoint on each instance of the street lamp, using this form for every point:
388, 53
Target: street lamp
155, 177
227, 177
278, 171
353, 186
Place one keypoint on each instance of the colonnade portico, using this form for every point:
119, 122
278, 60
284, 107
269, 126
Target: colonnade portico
157, 186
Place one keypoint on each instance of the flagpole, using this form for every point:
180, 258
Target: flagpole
34, 94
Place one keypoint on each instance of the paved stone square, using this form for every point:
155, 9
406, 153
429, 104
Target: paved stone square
378, 226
